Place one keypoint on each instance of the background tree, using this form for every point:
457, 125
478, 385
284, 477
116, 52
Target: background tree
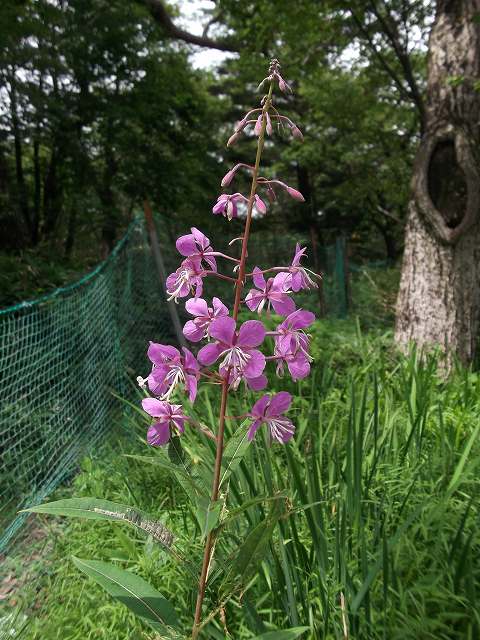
439, 299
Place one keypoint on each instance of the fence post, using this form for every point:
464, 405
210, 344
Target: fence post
157, 258
340, 274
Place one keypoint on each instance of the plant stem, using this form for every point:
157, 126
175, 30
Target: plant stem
225, 385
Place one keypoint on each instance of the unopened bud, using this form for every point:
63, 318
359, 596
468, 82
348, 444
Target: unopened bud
260, 205
234, 138
271, 194
296, 133
269, 125
228, 177
258, 125
296, 195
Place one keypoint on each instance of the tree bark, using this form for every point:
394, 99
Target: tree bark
439, 297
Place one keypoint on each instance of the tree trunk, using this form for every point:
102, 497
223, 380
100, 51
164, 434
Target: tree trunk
439, 297
17, 139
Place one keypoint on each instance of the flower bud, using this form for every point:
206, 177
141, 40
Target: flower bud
258, 125
269, 124
296, 195
228, 177
271, 194
260, 205
233, 139
296, 133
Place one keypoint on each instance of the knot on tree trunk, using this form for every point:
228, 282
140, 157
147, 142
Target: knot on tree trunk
446, 183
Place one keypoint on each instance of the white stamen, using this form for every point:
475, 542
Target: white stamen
280, 427
182, 279
236, 360
173, 378
142, 382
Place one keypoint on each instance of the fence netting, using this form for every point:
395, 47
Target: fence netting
65, 356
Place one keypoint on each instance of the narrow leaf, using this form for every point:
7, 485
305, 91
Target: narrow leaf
251, 552
97, 509
235, 450
133, 591
208, 514
286, 634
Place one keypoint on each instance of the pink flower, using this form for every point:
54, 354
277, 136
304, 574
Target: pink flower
227, 204
195, 245
300, 277
198, 328
292, 344
237, 348
171, 369
273, 293
169, 416
269, 410
188, 275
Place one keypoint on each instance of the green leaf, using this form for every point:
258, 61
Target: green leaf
133, 591
97, 509
176, 453
286, 634
235, 450
208, 514
90, 508
251, 552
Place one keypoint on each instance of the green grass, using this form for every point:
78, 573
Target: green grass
383, 534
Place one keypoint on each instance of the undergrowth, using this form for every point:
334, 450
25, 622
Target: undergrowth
383, 537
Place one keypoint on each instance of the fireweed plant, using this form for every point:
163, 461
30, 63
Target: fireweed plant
232, 358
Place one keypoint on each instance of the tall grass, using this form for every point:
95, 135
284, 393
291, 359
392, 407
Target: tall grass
382, 536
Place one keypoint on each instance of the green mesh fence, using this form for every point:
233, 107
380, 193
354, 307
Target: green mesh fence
62, 356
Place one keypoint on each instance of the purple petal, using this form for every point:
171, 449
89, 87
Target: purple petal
219, 309
300, 319
279, 403
191, 363
284, 306
160, 353
155, 408
296, 282
258, 383
178, 423
253, 299
158, 434
157, 379
193, 332
251, 334
186, 245
253, 429
282, 282
258, 409
299, 367
197, 307
255, 365
223, 329
209, 353
283, 431
200, 238
191, 386
258, 279
219, 207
